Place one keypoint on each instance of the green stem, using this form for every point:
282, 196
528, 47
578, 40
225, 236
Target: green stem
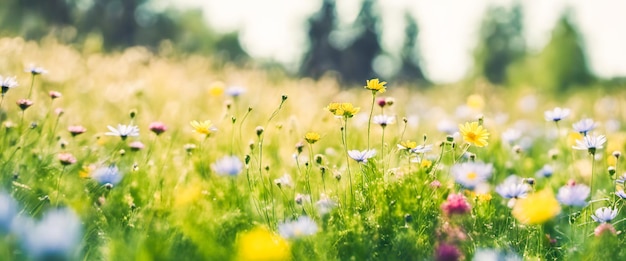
369, 121
344, 140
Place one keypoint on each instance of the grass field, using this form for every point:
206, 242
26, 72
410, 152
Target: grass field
144, 156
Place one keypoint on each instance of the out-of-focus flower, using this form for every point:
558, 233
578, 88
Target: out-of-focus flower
471, 174
407, 145
216, 88
573, 194
7, 83
604, 215
235, 91
456, 204
512, 190
8, 211
482, 254
312, 137
304, 226
54, 95
56, 237
229, 165
284, 180
375, 85
24, 104
556, 114
36, 70
510, 136
604, 228
301, 199
107, 175
447, 252
345, 109
474, 133
157, 127
204, 127
422, 148
590, 143
260, 244
536, 208
76, 130
362, 156
545, 172
66, 159
123, 131
136, 146
325, 205
384, 120
584, 126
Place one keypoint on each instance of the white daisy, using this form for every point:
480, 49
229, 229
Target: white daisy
590, 143
304, 226
573, 195
556, 114
604, 215
584, 126
362, 156
123, 131
384, 120
471, 174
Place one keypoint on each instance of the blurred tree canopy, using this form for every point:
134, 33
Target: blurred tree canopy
351, 52
118, 23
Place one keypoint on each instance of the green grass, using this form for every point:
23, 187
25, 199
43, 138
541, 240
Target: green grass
172, 205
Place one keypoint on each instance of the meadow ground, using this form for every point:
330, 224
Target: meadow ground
144, 156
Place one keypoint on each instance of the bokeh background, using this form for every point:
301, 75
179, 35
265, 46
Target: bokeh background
552, 45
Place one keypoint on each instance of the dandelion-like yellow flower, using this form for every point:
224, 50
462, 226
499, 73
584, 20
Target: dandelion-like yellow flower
476, 102
343, 109
376, 86
312, 137
407, 145
537, 208
260, 244
426, 164
204, 127
216, 89
474, 133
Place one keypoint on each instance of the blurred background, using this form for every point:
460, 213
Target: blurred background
554, 45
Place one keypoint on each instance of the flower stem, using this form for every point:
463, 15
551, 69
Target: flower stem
344, 140
369, 121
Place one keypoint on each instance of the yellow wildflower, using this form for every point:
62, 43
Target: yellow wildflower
407, 145
312, 137
475, 101
259, 244
216, 89
537, 208
376, 86
204, 127
474, 133
344, 109
425, 164
484, 197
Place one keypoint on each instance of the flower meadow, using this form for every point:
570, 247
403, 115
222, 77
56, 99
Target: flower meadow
143, 155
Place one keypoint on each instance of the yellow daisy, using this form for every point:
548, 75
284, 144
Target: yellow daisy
204, 127
343, 109
474, 133
537, 208
260, 244
375, 85
312, 137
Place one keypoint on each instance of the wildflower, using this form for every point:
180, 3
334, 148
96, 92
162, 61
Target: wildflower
260, 244
590, 143
312, 137
284, 180
54, 95
301, 199
189, 147
235, 91
384, 120
76, 130
216, 89
584, 126
345, 109
59, 112
621, 194
204, 127
8, 211
123, 131
407, 145
7, 83
66, 159
511, 190
304, 226
157, 127
545, 172
536, 208
24, 104
36, 70
573, 194
604, 215
511, 135
474, 133
56, 237
136, 146
229, 165
425, 164
604, 228
475, 101
435, 184
482, 254
381, 102
447, 252
376, 86
107, 175
471, 174
421, 149
456, 204
362, 156
556, 114
325, 205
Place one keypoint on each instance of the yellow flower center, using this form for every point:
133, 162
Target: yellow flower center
472, 175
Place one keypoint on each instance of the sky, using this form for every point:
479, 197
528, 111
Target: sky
276, 29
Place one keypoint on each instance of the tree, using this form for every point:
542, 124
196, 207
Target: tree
501, 44
410, 69
322, 55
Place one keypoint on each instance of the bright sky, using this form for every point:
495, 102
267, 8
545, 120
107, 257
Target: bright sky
276, 29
